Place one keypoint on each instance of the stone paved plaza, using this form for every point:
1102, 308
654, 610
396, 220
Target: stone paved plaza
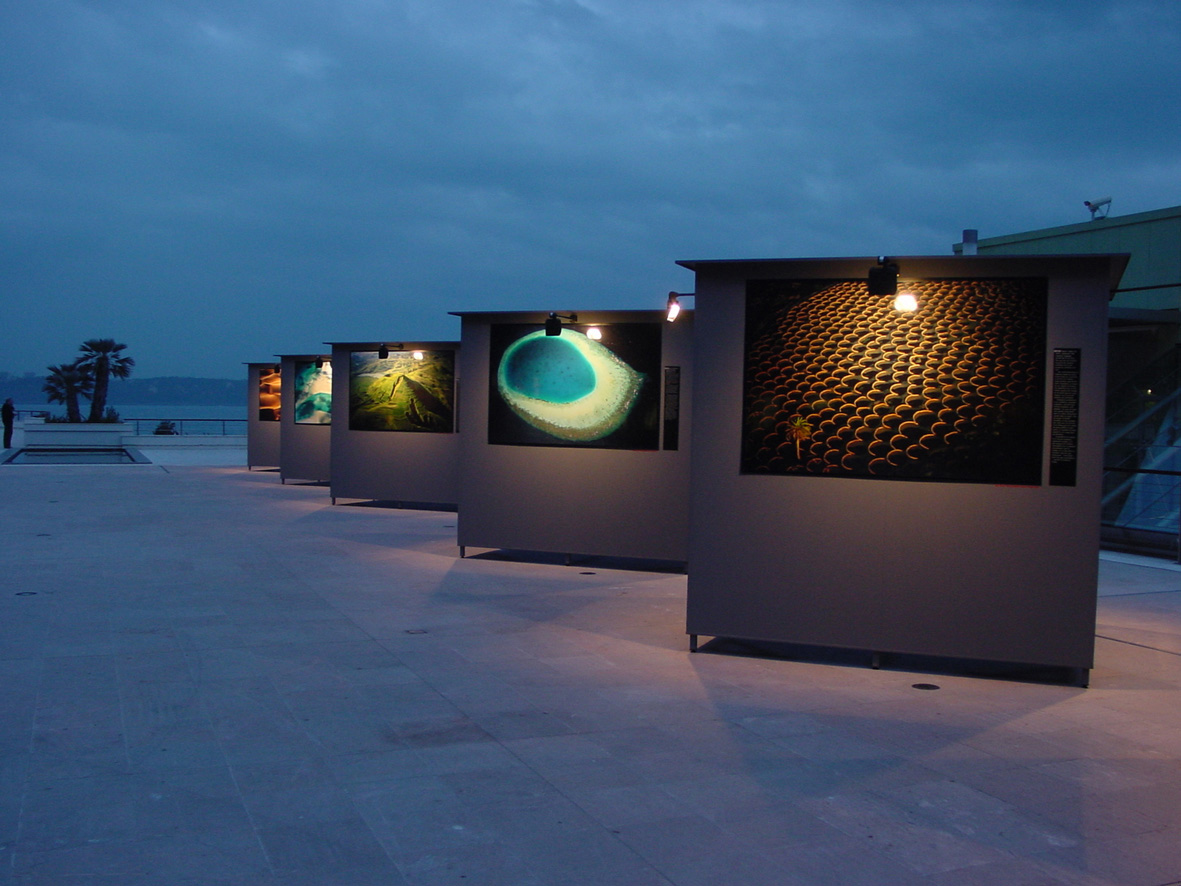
212, 678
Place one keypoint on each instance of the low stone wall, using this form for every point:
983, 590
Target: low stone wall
165, 449
194, 441
162, 449
59, 435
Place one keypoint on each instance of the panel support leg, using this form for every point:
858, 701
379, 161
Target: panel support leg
692, 642
876, 661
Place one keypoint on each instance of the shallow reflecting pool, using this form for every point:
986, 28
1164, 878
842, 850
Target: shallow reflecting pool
76, 456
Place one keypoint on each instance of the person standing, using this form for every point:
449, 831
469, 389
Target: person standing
7, 413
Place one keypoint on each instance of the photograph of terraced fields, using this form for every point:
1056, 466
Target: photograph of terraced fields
404, 391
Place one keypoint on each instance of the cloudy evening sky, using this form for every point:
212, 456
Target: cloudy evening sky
218, 181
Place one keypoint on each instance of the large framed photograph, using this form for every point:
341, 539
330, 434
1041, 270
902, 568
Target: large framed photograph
313, 392
590, 386
270, 393
950, 387
403, 391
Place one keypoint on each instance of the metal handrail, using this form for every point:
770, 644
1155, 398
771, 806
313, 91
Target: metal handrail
1159, 498
1144, 416
179, 425
182, 426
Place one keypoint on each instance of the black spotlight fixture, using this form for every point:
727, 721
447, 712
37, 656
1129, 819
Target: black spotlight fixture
383, 353
320, 361
883, 279
553, 323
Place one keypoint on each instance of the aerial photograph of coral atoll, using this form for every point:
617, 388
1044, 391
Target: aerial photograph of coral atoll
595, 386
313, 392
403, 391
948, 386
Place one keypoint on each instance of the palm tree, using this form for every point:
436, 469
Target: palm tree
104, 359
65, 383
799, 430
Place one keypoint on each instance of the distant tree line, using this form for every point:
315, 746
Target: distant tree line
167, 390
88, 377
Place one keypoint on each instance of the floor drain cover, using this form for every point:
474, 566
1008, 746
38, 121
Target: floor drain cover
26, 593
415, 631
924, 686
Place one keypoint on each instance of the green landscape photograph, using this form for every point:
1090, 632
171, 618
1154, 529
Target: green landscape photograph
405, 391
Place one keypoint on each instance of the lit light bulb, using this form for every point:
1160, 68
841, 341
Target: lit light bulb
906, 303
417, 355
594, 332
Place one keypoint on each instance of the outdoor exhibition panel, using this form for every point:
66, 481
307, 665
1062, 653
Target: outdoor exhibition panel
576, 441
903, 461
306, 418
263, 410
395, 434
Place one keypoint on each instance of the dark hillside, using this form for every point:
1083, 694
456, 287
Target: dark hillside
167, 390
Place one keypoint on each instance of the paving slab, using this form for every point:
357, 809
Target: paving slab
210, 677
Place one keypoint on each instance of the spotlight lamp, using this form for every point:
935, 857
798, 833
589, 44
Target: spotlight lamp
906, 303
553, 323
418, 355
1099, 208
383, 353
320, 361
673, 308
594, 332
883, 279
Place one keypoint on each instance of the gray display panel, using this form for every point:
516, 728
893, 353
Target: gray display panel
986, 570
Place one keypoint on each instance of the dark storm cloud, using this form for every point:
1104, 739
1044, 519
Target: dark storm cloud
223, 181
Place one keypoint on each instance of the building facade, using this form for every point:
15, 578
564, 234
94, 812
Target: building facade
1142, 488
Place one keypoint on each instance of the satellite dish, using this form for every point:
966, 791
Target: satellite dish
1099, 208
